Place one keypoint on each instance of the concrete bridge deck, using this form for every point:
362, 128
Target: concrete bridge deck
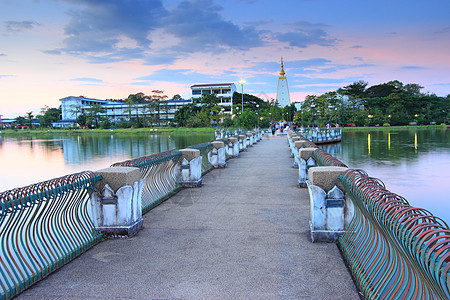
243, 235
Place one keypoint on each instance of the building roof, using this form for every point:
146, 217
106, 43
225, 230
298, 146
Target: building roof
211, 85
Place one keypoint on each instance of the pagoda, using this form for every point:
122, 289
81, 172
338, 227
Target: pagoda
283, 98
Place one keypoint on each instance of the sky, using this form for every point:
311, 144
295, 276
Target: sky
108, 49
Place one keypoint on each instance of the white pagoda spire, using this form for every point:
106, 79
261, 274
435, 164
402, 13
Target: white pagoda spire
283, 97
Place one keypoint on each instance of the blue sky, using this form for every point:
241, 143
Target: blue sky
50, 49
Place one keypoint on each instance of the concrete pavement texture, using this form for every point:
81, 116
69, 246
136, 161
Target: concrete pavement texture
243, 235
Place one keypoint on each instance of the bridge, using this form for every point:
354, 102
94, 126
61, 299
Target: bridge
241, 228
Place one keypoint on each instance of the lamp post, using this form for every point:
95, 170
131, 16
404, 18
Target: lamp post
257, 106
242, 82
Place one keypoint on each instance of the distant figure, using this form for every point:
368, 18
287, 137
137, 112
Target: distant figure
328, 125
337, 125
294, 126
273, 129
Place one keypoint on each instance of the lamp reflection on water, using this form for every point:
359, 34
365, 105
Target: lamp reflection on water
415, 142
389, 141
368, 142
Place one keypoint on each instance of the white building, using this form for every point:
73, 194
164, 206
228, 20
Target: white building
283, 97
72, 107
223, 91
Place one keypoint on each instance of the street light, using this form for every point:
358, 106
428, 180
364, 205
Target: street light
242, 82
257, 106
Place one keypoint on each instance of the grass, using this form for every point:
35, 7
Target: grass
119, 131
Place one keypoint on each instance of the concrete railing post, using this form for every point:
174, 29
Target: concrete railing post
216, 156
242, 142
297, 146
233, 147
189, 169
305, 161
330, 210
249, 139
292, 144
115, 204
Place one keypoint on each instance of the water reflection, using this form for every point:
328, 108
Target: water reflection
31, 160
412, 163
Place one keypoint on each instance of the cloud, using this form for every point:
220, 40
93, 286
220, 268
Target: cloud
200, 27
18, 26
305, 34
356, 47
443, 30
103, 31
87, 79
107, 31
2, 54
5, 76
184, 76
412, 68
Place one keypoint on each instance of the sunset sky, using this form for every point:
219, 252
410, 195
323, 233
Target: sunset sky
50, 49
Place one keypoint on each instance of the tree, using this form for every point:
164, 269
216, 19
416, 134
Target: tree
209, 100
29, 118
356, 89
184, 113
93, 114
51, 115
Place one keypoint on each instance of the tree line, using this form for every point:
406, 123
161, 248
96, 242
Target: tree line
391, 103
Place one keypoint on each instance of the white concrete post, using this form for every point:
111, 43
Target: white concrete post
216, 156
233, 147
330, 210
189, 169
242, 142
249, 139
305, 161
116, 203
297, 146
291, 144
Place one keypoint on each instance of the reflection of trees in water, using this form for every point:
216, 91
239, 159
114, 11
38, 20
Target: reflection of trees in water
79, 149
388, 147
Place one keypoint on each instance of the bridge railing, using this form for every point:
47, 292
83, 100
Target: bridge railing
323, 158
158, 171
42, 227
393, 249
204, 148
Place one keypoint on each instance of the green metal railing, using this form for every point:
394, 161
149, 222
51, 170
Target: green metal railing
204, 148
394, 251
42, 227
158, 171
323, 158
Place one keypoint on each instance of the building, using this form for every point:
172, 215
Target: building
283, 97
72, 107
223, 91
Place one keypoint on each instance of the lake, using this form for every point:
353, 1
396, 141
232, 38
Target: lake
26, 161
413, 163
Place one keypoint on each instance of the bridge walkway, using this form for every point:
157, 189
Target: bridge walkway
243, 235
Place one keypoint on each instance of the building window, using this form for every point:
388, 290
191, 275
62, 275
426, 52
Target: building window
196, 92
216, 91
226, 91
207, 92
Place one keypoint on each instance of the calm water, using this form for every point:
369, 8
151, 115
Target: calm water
412, 163
32, 160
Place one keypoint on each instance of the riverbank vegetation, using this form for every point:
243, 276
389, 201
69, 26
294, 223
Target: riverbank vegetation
118, 131
392, 103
